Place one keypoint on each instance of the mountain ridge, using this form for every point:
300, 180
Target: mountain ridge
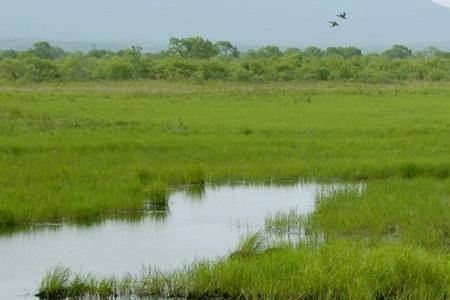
253, 22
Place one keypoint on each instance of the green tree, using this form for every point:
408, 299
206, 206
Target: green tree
12, 69
313, 52
174, 68
215, 70
293, 51
99, 53
193, 47
46, 51
115, 67
227, 49
430, 52
8, 53
270, 51
76, 66
346, 52
398, 51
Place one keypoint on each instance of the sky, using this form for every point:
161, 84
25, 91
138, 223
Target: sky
246, 22
445, 3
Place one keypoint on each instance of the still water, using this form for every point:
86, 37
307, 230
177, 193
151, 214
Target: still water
200, 224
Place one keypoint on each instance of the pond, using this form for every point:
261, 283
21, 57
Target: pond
204, 223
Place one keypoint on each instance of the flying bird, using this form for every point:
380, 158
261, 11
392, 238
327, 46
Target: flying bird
334, 24
342, 15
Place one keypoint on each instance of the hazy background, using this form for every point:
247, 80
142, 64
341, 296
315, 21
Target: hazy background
78, 24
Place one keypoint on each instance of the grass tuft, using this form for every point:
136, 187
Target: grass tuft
158, 195
249, 246
56, 284
194, 175
282, 223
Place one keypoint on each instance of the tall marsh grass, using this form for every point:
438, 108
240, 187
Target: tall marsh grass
158, 195
71, 153
286, 223
337, 270
414, 211
250, 245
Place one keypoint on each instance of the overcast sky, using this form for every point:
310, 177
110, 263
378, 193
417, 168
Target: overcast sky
445, 3
251, 22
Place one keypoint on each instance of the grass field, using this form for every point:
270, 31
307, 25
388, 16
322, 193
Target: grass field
82, 152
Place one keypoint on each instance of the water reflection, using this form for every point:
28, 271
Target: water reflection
195, 192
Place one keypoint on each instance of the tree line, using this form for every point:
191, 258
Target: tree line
200, 59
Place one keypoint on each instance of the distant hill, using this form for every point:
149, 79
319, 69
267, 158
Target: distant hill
23, 44
371, 25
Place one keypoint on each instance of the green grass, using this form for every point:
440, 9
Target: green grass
250, 245
80, 152
415, 211
337, 270
61, 283
285, 223
158, 196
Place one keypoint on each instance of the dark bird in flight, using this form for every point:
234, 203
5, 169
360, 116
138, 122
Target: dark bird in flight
342, 15
334, 24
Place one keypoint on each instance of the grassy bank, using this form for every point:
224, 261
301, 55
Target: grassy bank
83, 152
415, 211
338, 270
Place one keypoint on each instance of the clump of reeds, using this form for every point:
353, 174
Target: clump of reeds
158, 195
249, 246
195, 175
154, 283
286, 223
62, 283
